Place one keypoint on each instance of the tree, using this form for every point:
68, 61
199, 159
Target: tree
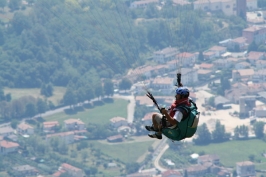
47, 90
14, 123
237, 133
84, 155
30, 110
203, 135
3, 3
41, 106
69, 97
14, 4
253, 47
200, 57
99, 91
219, 134
243, 131
258, 129
132, 167
108, 87
125, 84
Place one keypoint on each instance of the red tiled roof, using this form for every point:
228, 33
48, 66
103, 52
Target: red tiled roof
171, 173
8, 144
66, 166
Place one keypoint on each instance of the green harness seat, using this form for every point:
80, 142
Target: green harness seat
188, 125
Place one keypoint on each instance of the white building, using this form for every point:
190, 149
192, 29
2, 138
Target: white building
245, 168
74, 124
118, 122
189, 76
226, 6
165, 55
25, 129
163, 84
143, 3
252, 4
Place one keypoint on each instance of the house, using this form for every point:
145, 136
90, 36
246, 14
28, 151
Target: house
186, 59
72, 171
239, 44
206, 66
6, 131
143, 3
234, 94
163, 84
145, 71
261, 64
209, 55
171, 173
254, 33
66, 137
242, 74
242, 65
218, 50
138, 87
222, 63
118, 122
204, 74
252, 5
214, 159
7, 147
259, 76
189, 76
165, 55
255, 56
260, 111
26, 170
25, 129
50, 126
74, 124
245, 169
143, 100
116, 138
226, 6
181, 2
262, 96
196, 170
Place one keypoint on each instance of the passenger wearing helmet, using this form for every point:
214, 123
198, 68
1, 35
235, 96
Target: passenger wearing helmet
172, 114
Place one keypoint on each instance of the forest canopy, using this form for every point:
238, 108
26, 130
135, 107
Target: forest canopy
78, 42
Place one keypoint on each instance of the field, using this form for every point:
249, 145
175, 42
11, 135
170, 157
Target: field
98, 114
35, 92
235, 151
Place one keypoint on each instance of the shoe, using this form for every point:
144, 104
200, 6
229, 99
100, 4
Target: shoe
150, 128
156, 135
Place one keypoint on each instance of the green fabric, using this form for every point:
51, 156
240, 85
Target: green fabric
184, 129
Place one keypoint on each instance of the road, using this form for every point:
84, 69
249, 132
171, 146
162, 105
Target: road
130, 106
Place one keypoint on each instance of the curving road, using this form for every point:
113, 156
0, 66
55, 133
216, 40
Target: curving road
130, 106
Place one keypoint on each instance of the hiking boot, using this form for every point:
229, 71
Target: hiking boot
156, 135
150, 128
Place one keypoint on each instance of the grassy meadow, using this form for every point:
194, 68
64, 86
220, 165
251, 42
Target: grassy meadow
35, 92
97, 114
234, 151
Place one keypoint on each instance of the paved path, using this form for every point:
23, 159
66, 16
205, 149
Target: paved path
157, 159
130, 106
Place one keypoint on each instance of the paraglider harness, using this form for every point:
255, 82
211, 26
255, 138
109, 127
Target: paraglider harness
188, 125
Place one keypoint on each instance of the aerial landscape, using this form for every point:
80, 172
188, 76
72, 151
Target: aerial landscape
92, 88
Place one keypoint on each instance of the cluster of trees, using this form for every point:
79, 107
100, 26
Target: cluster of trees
50, 44
204, 136
26, 106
